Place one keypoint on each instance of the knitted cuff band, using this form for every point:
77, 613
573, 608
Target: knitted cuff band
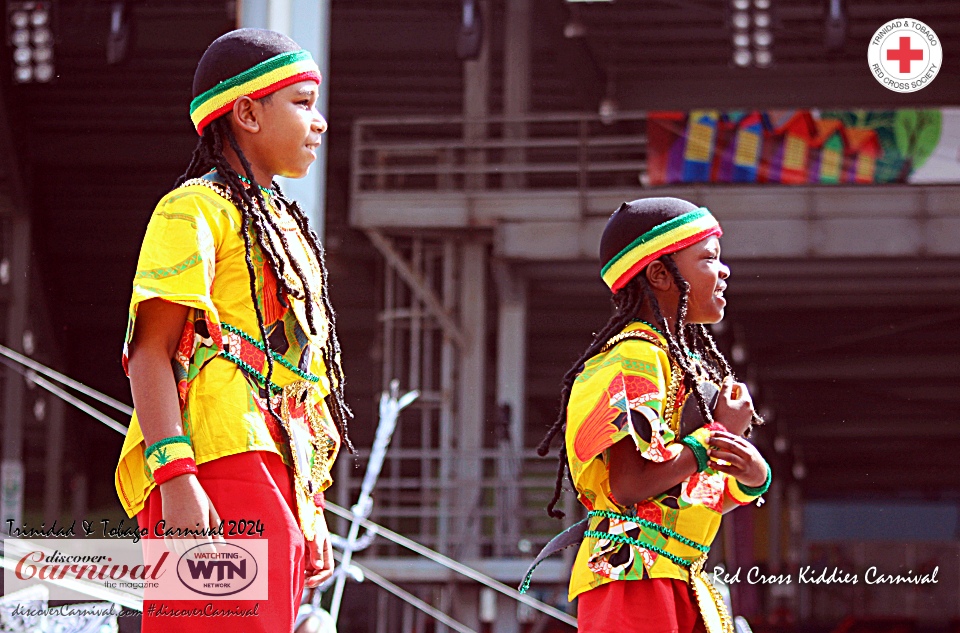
174, 469
699, 451
169, 458
750, 492
699, 441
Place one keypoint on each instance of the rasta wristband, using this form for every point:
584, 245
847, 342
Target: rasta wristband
169, 458
698, 442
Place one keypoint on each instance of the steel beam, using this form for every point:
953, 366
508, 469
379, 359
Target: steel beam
12, 476
511, 398
517, 76
307, 22
417, 285
470, 419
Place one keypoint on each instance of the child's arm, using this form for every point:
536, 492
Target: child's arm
155, 339
634, 479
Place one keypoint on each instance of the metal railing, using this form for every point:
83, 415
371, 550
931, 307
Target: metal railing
413, 503
542, 151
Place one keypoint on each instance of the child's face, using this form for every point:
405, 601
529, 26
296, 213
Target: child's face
290, 130
700, 265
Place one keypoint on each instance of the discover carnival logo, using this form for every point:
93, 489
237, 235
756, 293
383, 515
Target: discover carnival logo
905, 55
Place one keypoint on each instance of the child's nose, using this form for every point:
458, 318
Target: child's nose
319, 123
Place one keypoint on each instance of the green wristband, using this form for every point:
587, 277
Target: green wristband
759, 490
698, 451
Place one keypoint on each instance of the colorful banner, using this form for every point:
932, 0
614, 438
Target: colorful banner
796, 147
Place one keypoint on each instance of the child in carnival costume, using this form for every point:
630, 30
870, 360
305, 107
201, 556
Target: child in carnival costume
231, 348
653, 459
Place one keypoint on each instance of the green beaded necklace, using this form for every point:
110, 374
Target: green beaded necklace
649, 325
247, 182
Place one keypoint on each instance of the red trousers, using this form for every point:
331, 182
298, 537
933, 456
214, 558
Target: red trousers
248, 486
652, 605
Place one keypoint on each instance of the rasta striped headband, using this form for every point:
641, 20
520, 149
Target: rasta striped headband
265, 78
669, 237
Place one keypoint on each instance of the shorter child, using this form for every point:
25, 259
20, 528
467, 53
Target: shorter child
655, 492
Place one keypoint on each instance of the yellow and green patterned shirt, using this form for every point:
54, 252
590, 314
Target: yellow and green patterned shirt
625, 392
193, 254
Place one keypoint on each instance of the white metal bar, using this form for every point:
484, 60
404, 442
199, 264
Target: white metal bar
538, 117
80, 404
64, 380
497, 143
451, 564
390, 406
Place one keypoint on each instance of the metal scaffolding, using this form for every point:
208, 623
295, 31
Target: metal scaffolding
457, 477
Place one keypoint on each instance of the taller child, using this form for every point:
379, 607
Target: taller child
231, 350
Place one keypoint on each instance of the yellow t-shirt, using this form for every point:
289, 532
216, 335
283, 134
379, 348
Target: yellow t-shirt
193, 254
627, 392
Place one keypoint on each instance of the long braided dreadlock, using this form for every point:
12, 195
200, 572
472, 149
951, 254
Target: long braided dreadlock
230, 56
691, 339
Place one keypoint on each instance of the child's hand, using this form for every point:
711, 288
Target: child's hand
319, 557
735, 407
736, 456
186, 506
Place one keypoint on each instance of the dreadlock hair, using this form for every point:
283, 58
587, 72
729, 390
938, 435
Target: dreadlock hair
637, 218
225, 58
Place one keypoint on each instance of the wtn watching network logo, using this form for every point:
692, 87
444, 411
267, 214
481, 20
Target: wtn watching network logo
223, 570
226, 571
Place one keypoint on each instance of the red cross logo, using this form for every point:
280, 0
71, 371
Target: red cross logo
905, 54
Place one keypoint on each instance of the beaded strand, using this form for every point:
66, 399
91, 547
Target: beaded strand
276, 356
650, 524
626, 540
246, 367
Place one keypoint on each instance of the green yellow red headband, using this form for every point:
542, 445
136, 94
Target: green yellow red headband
265, 78
671, 236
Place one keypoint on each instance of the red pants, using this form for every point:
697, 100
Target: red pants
652, 605
253, 485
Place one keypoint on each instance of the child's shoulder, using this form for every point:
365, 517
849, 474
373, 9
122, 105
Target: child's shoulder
639, 340
198, 191
198, 198
638, 335
637, 349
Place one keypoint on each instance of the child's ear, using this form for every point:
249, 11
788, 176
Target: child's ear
658, 276
246, 114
